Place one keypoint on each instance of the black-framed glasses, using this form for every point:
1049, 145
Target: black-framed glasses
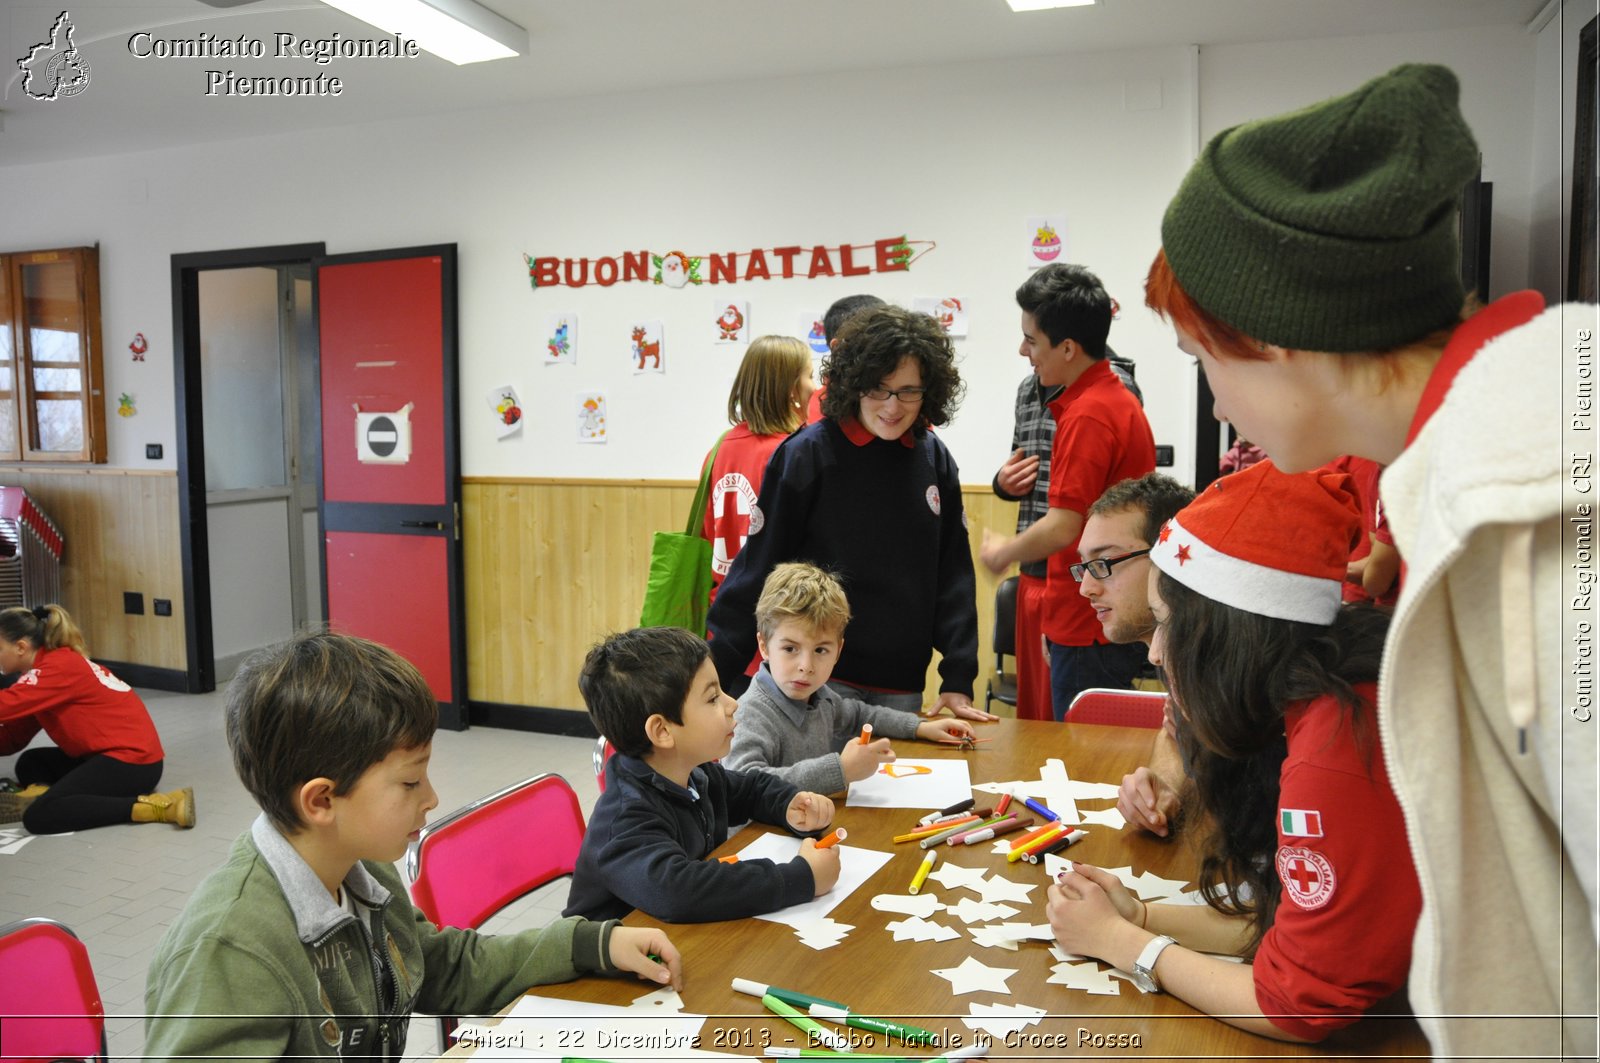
909, 396
1100, 567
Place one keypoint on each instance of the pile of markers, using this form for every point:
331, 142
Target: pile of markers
802, 1010
962, 824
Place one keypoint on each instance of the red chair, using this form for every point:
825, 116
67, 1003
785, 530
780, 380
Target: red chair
473, 862
1119, 708
602, 753
50, 1007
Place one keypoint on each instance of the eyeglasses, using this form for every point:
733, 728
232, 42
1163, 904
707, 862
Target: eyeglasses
1100, 567
909, 396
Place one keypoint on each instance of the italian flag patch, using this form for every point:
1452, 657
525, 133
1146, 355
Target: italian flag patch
1300, 823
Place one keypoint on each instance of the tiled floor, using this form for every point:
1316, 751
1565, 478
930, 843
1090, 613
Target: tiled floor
119, 887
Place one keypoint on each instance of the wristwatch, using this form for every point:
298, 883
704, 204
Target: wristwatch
1144, 968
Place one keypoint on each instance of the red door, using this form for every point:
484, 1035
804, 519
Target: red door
391, 486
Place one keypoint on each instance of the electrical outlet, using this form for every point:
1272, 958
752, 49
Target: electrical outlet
133, 603
1164, 457
162, 606
152, 451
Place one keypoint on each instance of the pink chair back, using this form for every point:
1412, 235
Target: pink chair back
481, 857
50, 1005
1119, 708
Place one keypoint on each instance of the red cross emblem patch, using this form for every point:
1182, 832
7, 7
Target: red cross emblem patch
1307, 876
734, 518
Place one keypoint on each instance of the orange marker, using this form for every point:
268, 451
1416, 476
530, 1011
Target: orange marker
833, 839
1055, 831
936, 828
731, 858
866, 733
1032, 834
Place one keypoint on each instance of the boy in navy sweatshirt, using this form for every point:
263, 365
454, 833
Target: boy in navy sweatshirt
653, 692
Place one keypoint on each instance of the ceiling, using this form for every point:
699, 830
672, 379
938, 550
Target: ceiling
598, 47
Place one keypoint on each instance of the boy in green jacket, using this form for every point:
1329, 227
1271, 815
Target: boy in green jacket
304, 943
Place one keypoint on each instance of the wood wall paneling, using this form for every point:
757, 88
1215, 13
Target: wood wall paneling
553, 565
120, 529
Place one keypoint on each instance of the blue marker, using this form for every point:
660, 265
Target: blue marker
1040, 809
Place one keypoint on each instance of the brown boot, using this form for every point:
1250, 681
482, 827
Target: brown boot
174, 807
14, 803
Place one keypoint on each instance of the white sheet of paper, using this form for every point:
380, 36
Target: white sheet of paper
855, 867
547, 1028
907, 783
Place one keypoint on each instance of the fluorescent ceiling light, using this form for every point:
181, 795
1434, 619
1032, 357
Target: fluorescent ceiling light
457, 30
1044, 5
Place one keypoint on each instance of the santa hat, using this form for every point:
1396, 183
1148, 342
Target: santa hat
1266, 542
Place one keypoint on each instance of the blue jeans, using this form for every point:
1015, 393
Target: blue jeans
1074, 669
911, 702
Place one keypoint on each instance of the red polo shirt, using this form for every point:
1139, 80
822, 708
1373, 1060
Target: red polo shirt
1102, 438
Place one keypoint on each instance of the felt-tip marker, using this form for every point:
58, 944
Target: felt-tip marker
789, 996
866, 733
1056, 845
1039, 808
959, 806
922, 872
838, 835
815, 1030
914, 1034
1005, 802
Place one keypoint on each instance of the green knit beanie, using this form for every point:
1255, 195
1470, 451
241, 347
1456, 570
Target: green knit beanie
1331, 228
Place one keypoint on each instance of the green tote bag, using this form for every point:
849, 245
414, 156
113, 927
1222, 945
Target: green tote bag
678, 592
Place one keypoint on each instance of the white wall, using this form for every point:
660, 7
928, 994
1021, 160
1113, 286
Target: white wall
957, 154
1239, 82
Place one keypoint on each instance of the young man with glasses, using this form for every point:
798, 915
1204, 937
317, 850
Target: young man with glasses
1101, 438
1123, 525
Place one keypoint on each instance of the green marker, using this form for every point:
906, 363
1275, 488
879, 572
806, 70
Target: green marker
913, 1034
818, 1033
788, 996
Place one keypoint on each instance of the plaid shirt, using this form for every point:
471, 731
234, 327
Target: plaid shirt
1035, 427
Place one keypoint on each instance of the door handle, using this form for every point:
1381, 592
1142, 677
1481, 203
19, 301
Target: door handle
436, 525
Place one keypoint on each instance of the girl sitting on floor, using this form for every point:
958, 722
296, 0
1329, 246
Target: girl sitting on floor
106, 759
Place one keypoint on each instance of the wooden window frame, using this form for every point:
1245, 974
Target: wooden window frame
22, 395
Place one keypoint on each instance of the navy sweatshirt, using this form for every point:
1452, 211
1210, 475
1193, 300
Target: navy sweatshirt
886, 518
648, 840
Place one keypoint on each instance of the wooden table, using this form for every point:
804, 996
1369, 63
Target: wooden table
876, 975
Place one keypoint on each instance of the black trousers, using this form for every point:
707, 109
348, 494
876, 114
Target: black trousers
93, 791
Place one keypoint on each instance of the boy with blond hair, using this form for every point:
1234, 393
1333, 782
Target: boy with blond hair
304, 944
790, 722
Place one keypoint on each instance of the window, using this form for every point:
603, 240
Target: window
52, 392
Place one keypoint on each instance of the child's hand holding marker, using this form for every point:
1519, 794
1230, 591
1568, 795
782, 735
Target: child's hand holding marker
859, 761
945, 729
809, 812
648, 953
824, 865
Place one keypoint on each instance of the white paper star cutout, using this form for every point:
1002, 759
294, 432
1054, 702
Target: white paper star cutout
971, 911
975, 977
995, 890
953, 876
1105, 817
1152, 886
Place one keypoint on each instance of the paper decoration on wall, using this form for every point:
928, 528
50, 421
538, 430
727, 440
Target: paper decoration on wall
1045, 242
646, 349
950, 312
507, 410
591, 417
732, 323
139, 346
125, 405
675, 269
810, 330
680, 269
561, 339
384, 438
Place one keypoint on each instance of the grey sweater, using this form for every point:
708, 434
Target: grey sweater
800, 741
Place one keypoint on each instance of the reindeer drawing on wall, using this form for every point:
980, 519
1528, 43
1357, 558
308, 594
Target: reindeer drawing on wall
644, 350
